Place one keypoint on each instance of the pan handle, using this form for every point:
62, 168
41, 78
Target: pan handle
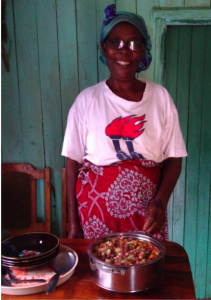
107, 269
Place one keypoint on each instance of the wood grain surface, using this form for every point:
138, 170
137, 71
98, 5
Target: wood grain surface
177, 283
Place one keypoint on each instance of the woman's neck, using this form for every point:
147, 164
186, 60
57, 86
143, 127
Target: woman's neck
131, 90
119, 85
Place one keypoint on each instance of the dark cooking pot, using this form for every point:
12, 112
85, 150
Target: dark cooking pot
130, 278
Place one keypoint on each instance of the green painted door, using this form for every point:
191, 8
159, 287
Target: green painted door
188, 79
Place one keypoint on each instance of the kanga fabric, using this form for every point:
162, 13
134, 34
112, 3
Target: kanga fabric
114, 198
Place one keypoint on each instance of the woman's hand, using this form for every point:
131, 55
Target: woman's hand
154, 217
155, 212
75, 231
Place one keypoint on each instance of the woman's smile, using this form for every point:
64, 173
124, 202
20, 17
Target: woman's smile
123, 63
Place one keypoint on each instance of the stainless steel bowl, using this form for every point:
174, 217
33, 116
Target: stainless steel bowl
127, 279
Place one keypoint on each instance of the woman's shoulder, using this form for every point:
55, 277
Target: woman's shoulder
158, 93
91, 90
154, 86
87, 98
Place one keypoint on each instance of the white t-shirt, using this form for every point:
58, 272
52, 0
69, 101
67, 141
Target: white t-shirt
105, 128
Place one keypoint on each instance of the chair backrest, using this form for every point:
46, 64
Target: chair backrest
64, 204
19, 198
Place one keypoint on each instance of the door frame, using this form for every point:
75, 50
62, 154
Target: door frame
166, 17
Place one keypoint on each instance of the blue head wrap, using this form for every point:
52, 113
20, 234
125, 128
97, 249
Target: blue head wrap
113, 18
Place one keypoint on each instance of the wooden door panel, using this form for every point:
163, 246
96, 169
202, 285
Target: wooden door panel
188, 73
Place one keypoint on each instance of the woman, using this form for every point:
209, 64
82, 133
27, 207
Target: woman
124, 137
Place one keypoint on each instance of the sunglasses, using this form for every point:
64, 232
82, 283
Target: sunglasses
118, 44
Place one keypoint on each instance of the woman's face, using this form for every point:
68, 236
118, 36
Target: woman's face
123, 63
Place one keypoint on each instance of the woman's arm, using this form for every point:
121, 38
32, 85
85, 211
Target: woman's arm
74, 230
155, 212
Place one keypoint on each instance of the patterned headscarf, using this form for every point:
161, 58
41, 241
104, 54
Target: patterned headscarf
113, 18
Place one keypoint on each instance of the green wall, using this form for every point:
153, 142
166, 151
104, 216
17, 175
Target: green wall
187, 77
53, 49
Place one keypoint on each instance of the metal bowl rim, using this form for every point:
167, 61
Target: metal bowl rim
138, 234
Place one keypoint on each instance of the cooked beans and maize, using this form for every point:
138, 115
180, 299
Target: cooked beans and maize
126, 251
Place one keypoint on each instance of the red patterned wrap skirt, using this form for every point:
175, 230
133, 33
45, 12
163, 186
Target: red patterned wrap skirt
114, 198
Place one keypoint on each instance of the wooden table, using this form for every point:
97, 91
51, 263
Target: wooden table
177, 283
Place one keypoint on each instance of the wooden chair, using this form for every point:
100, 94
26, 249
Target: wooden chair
64, 204
19, 199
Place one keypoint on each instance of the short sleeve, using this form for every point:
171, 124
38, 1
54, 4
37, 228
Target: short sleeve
75, 136
173, 143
